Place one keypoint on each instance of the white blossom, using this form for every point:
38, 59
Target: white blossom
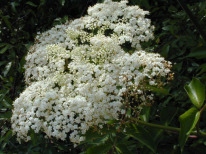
78, 73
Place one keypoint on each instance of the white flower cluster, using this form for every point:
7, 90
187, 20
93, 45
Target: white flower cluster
78, 73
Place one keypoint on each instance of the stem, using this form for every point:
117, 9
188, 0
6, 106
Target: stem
174, 129
167, 128
197, 127
198, 123
202, 109
193, 19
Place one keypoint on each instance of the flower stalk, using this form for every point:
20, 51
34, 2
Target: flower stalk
167, 128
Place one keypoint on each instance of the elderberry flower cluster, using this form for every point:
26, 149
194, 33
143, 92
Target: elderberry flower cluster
80, 73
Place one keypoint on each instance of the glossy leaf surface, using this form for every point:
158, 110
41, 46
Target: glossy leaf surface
196, 92
188, 121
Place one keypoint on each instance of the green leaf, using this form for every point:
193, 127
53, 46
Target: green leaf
2, 63
188, 121
165, 50
196, 92
142, 135
122, 149
3, 44
6, 138
7, 69
13, 6
91, 135
34, 138
199, 53
101, 140
2, 94
4, 49
201, 69
167, 114
6, 115
5, 18
5, 103
113, 121
100, 149
161, 90
31, 4
62, 2
144, 115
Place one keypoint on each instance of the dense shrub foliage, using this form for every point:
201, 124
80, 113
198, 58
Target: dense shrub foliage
184, 46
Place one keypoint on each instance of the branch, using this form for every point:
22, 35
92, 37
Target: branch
193, 19
167, 128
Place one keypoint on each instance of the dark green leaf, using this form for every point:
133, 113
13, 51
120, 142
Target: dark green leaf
62, 2
101, 149
122, 149
7, 68
188, 121
6, 103
34, 138
165, 50
142, 135
2, 94
161, 90
5, 18
31, 4
13, 6
4, 49
201, 69
91, 135
3, 44
7, 136
5, 115
144, 115
2, 63
199, 53
167, 114
101, 139
112, 121
196, 92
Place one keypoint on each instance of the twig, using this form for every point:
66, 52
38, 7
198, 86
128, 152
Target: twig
193, 19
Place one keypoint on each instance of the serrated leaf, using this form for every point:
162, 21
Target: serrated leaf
142, 135
188, 121
196, 92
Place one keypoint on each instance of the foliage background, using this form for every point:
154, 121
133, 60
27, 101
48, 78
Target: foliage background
177, 38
